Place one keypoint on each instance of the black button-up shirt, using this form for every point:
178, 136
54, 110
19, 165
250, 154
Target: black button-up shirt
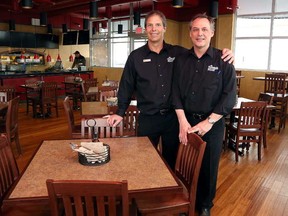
149, 76
204, 85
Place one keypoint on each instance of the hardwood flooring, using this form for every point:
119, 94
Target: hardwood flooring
246, 188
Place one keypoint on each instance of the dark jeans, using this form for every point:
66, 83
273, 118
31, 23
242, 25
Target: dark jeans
165, 126
206, 189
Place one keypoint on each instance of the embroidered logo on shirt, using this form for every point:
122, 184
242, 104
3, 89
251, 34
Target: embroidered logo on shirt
170, 59
211, 68
146, 60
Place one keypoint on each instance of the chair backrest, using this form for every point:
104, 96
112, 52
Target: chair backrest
106, 94
275, 84
84, 197
252, 115
265, 97
12, 118
188, 164
102, 128
49, 91
3, 97
9, 90
86, 85
238, 73
69, 114
130, 119
8, 167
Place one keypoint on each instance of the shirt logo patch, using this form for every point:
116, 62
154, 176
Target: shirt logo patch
170, 59
212, 68
146, 60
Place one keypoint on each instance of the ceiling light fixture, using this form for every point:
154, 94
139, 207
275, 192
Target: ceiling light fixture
43, 19
93, 10
85, 24
178, 3
64, 28
214, 9
27, 4
12, 25
49, 29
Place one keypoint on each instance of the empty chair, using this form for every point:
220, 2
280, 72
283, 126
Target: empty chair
269, 99
103, 95
73, 90
86, 86
10, 128
248, 128
187, 168
31, 92
275, 85
48, 99
130, 119
73, 129
84, 197
101, 128
9, 90
238, 73
8, 168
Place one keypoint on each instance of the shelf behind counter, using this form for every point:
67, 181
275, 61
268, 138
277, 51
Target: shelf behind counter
17, 78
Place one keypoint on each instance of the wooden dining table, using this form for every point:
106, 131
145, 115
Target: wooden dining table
133, 159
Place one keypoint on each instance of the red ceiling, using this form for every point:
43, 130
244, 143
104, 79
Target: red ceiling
72, 12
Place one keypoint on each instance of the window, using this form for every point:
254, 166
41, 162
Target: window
262, 35
110, 49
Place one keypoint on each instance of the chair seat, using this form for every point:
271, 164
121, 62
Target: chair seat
234, 126
161, 204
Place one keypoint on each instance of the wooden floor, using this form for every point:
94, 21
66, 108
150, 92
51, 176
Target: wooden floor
248, 188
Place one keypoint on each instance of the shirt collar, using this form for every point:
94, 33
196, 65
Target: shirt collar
165, 48
209, 52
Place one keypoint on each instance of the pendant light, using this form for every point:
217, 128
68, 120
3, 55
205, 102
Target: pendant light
58, 57
48, 58
49, 29
93, 10
27, 4
120, 26
85, 24
178, 3
43, 19
137, 18
214, 9
71, 59
12, 25
64, 28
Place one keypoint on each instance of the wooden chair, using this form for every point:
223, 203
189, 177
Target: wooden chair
275, 85
86, 85
8, 168
130, 119
101, 127
238, 73
84, 197
73, 90
73, 129
9, 90
249, 127
187, 168
103, 95
31, 92
3, 97
47, 99
269, 99
10, 128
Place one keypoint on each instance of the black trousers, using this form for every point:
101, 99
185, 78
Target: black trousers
165, 126
207, 181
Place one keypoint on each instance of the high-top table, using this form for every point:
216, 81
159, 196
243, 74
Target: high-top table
133, 159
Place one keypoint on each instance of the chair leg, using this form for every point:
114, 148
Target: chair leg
236, 149
19, 149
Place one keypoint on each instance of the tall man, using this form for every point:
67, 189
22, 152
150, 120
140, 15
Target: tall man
204, 90
148, 75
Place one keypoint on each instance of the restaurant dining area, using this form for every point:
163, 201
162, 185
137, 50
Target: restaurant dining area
69, 68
